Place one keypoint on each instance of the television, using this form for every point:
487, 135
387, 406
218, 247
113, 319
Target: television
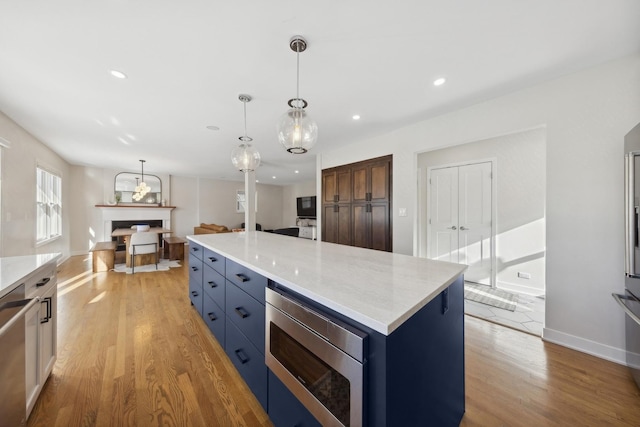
306, 207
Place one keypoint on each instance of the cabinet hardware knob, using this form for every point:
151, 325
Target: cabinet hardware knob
43, 281
240, 311
463, 228
453, 227
241, 356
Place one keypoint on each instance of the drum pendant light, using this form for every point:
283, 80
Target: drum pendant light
297, 132
245, 158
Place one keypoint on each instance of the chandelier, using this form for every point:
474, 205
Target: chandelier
141, 189
297, 132
245, 158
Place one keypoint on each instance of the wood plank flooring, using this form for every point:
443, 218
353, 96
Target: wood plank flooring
133, 352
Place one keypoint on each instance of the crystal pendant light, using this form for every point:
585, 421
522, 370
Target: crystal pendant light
141, 189
297, 132
245, 158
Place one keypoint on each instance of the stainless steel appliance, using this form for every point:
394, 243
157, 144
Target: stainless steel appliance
630, 301
13, 404
320, 359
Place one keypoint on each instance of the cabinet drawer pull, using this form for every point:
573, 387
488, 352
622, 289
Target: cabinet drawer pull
213, 284
336, 198
194, 249
43, 281
240, 311
212, 316
242, 277
194, 268
47, 317
194, 293
213, 259
243, 358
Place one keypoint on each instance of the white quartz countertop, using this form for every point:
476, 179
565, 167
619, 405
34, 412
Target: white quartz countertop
14, 269
378, 289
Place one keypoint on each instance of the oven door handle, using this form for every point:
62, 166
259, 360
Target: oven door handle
626, 309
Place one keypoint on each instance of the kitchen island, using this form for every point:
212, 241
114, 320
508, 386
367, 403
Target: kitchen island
409, 309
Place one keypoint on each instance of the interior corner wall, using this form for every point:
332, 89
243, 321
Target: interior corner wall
520, 175
586, 115
18, 211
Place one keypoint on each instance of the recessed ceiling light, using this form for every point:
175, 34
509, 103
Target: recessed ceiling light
439, 82
257, 180
297, 171
118, 74
274, 177
212, 127
356, 117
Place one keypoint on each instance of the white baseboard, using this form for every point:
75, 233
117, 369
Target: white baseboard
593, 348
521, 289
76, 253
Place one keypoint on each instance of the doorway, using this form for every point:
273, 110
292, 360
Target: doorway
460, 212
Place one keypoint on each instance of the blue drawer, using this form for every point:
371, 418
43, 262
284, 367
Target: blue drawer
214, 259
248, 361
196, 249
214, 285
195, 295
247, 280
195, 268
246, 313
214, 317
285, 409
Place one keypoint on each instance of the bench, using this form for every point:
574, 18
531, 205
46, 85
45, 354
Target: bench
104, 256
174, 247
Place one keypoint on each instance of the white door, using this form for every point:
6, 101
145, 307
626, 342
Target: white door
460, 218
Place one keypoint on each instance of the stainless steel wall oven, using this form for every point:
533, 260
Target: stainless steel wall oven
319, 358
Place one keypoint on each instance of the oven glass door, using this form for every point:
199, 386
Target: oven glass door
325, 383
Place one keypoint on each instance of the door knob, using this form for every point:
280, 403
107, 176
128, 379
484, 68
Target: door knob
452, 227
463, 228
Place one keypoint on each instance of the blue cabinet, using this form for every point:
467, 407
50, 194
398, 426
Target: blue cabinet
249, 362
214, 285
247, 314
214, 260
195, 282
246, 279
285, 409
215, 318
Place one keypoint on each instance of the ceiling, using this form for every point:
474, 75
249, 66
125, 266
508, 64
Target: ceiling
187, 62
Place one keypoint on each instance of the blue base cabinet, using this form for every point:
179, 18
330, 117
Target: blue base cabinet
285, 409
413, 377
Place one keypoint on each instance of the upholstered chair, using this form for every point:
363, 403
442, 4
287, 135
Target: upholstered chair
142, 243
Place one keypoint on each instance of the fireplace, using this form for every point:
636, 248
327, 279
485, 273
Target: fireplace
129, 224
133, 215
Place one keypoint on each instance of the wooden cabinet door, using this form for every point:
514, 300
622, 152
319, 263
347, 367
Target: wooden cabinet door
360, 176
343, 178
336, 224
379, 227
379, 182
329, 186
361, 225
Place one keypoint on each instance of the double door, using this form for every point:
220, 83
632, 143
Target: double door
460, 218
356, 204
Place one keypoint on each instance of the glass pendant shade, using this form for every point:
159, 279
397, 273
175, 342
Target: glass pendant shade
245, 158
141, 189
297, 132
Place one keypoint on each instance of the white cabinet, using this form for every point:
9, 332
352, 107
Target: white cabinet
40, 333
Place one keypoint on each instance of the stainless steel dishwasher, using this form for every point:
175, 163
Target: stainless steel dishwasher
13, 307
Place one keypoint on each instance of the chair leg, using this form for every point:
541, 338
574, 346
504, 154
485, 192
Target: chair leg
133, 261
156, 256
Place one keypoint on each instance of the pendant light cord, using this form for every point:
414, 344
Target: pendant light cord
298, 74
245, 119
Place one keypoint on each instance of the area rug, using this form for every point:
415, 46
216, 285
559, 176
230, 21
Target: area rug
490, 296
163, 265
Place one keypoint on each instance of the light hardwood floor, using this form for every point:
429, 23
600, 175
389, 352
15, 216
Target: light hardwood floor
132, 352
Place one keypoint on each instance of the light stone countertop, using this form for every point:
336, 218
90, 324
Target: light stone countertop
14, 269
378, 289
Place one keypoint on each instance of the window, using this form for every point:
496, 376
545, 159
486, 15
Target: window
49, 205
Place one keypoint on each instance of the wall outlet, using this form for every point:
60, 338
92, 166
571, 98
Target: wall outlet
402, 212
523, 275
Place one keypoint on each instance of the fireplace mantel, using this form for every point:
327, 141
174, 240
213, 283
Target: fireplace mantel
133, 213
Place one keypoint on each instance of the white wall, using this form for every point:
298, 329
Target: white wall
289, 195
520, 200
586, 115
18, 226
